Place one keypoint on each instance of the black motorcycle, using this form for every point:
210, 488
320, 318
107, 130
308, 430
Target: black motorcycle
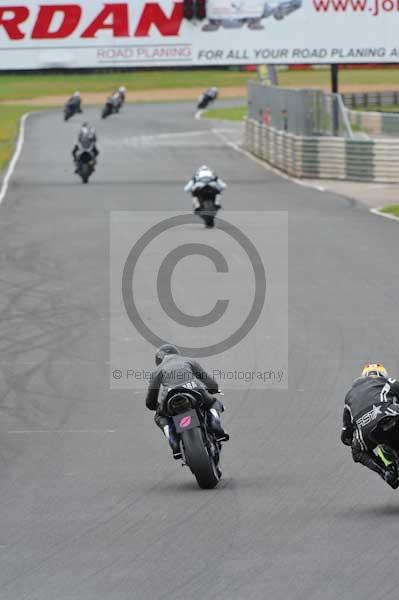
199, 447
86, 163
205, 100
108, 109
112, 106
71, 108
208, 209
387, 430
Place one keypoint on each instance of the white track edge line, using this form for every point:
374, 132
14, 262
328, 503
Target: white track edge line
377, 211
264, 164
15, 157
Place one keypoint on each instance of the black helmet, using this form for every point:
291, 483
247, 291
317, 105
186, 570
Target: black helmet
163, 351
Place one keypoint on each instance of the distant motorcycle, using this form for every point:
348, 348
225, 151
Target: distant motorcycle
207, 98
72, 107
113, 105
85, 165
200, 449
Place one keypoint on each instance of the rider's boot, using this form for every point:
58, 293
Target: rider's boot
215, 426
196, 205
174, 442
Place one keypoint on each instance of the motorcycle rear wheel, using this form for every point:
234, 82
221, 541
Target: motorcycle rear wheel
201, 464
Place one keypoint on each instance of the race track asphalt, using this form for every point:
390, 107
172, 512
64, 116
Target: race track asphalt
91, 505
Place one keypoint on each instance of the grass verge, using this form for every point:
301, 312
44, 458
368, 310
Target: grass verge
27, 86
9, 124
236, 113
352, 77
384, 109
392, 209
23, 86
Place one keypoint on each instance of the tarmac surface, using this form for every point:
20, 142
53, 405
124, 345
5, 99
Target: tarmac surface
91, 504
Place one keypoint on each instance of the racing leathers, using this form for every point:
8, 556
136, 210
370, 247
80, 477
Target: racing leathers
177, 371
370, 401
75, 103
87, 142
205, 185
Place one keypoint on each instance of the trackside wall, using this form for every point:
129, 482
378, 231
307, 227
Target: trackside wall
324, 157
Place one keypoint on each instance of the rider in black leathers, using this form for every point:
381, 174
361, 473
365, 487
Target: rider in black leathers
174, 370
75, 102
87, 141
205, 184
370, 402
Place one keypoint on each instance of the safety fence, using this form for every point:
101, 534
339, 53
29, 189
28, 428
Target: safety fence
302, 112
375, 123
324, 157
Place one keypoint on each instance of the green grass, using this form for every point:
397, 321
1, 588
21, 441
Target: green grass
392, 209
24, 87
356, 128
383, 77
9, 124
236, 113
21, 87
394, 109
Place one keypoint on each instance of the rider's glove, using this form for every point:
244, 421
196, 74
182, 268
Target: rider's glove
346, 437
391, 477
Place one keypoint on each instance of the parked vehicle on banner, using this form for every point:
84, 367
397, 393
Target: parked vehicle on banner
233, 15
200, 449
285, 8
207, 98
72, 106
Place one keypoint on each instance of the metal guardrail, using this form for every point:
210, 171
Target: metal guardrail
366, 99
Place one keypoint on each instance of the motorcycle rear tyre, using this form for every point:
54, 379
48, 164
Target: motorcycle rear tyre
201, 464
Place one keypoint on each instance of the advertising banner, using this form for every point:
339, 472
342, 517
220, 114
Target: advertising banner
40, 34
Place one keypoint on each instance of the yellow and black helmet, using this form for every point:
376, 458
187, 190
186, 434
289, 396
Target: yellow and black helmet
374, 370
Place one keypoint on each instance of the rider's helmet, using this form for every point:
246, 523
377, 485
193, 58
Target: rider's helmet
204, 175
163, 351
76, 94
87, 135
86, 130
374, 370
122, 89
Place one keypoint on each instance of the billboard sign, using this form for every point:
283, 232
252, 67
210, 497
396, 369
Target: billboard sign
76, 33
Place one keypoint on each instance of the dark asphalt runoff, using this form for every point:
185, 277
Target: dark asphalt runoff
91, 505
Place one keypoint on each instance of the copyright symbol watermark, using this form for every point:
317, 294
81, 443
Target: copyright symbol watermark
219, 292
164, 286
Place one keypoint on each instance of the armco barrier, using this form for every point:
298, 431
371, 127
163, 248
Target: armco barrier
365, 99
324, 157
